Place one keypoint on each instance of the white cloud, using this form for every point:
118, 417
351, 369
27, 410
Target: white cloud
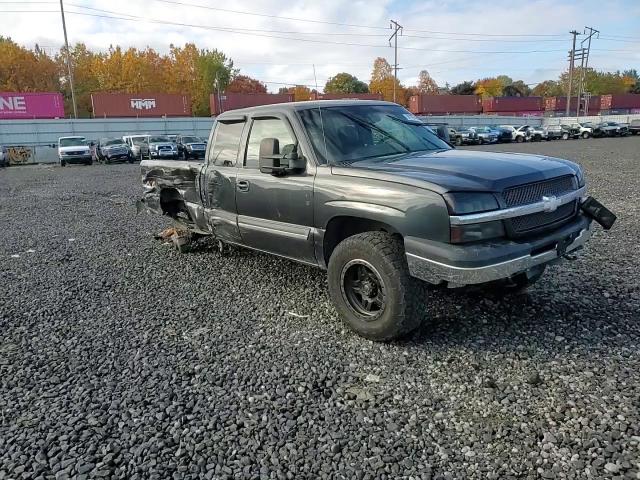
290, 61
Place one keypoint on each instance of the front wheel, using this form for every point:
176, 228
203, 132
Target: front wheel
370, 286
458, 141
519, 139
480, 141
565, 136
585, 135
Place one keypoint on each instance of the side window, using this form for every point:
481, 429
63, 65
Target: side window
226, 144
266, 128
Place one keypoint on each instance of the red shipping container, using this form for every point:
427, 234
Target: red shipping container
444, 104
559, 104
619, 101
233, 101
31, 105
106, 105
512, 104
346, 96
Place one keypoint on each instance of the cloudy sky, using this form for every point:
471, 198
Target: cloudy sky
279, 41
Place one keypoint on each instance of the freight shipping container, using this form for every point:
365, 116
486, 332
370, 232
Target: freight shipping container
346, 96
620, 101
30, 105
445, 104
527, 113
512, 104
233, 101
559, 104
109, 105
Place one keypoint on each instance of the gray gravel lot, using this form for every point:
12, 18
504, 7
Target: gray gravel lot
121, 358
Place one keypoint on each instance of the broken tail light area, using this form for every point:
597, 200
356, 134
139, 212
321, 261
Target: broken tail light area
594, 209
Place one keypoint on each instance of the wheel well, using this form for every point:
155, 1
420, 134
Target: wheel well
343, 227
172, 203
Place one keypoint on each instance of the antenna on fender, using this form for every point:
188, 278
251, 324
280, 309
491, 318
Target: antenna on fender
324, 139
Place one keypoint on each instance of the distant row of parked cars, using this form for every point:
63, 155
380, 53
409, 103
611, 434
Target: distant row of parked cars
130, 148
527, 133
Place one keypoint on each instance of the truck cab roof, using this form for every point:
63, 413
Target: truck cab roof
296, 106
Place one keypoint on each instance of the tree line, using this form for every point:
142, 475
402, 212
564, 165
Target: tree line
199, 72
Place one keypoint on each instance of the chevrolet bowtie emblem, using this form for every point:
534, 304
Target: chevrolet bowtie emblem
551, 203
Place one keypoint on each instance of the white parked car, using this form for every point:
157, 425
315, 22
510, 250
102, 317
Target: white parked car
74, 150
518, 134
585, 129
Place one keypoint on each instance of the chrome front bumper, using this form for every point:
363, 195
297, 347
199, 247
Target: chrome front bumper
437, 272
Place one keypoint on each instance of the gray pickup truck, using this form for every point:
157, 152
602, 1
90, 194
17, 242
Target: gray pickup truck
366, 191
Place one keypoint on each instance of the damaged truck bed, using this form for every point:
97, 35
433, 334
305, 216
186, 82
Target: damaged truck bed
366, 191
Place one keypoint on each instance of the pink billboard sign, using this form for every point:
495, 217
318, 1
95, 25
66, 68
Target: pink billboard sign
30, 105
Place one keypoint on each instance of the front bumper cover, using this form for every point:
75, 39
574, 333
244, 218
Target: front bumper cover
437, 262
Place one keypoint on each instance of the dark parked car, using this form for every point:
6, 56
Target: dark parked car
485, 135
465, 136
504, 134
190, 147
610, 129
377, 199
634, 127
113, 150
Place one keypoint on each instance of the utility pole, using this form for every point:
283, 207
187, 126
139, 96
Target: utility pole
66, 45
571, 57
396, 28
585, 64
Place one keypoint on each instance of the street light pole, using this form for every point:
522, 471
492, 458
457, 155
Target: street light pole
66, 45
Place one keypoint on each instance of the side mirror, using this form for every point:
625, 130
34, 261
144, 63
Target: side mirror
271, 160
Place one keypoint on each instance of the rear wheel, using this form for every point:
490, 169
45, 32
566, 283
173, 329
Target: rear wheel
565, 136
371, 288
519, 139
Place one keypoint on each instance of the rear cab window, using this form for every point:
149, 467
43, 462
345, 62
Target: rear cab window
226, 144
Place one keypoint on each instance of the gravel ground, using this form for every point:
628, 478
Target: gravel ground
121, 358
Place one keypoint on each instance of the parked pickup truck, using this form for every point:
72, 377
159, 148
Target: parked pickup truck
634, 127
366, 191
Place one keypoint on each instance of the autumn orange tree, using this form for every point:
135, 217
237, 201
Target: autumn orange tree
489, 87
24, 70
382, 81
426, 84
246, 84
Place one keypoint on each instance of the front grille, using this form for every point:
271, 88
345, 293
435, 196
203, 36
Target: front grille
533, 192
541, 219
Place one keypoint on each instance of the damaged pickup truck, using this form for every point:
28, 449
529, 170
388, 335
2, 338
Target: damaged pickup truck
366, 191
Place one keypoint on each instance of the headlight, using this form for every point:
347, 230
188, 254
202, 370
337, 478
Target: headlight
476, 231
580, 177
462, 203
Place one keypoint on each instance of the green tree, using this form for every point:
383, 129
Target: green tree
464, 88
548, 88
345, 83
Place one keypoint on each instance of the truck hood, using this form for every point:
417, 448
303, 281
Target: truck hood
461, 170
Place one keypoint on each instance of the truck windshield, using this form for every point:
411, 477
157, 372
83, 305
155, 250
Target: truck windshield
346, 134
113, 141
159, 140
191, 140
73, 142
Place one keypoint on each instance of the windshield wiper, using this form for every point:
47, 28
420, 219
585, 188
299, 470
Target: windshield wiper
377, 129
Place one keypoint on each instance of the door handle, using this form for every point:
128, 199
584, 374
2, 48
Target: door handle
242, 185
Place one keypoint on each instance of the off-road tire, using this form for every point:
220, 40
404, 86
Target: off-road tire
403, 294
